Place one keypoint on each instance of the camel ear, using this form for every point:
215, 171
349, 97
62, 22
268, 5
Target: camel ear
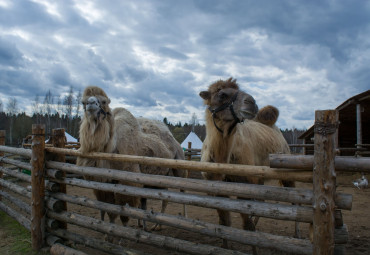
205, 95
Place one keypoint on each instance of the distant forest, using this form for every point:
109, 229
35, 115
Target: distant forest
57, 112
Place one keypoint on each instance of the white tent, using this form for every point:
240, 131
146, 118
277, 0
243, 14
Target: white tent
68, 137
196, 143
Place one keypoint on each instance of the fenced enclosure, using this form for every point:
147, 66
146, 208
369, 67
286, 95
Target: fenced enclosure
44, 202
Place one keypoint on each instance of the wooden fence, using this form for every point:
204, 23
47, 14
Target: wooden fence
42, 206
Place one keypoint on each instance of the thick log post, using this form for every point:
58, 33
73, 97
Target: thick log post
59, 141
2, 142
324, 181
189, 150
38, 186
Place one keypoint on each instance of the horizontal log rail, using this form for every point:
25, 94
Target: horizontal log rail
138, 235
21, 176
265, 240
17, 202
17, 163
230, 169
15, 188
18, 151
261, 192
16, 215
301, 145
100, 245
255, 208
305, 162
60, 249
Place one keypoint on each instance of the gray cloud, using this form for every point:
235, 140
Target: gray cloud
154, 57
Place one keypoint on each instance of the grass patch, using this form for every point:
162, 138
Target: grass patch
14, 238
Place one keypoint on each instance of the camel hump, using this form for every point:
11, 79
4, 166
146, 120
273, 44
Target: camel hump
268, 115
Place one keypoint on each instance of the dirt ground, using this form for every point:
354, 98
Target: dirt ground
356, 220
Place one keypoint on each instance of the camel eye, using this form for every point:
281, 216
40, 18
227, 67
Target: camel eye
104, 102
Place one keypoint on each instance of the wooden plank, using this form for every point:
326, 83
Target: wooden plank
2, 143
59, 141
38, 187
140, 236
15, 188
16, 215
262, 192
23, 207
17, 163
230, 169
324, 181
265, 240
60, 249
305, 162
258, 208
17, 151
95, 243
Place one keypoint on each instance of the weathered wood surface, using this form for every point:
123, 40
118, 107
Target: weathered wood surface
16, 215
261, 192
51, 240
17, 151
230, 169
54, 173
257, 208
54, 204
22, 206
59, 141
305, 162
38, 187
95, 243
2, 143
341, 235
60, 249
15, 188
17, 163
139, 236
19, 175
265, 240
324, 181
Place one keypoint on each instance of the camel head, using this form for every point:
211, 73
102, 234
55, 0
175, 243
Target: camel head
227, 103
95, 103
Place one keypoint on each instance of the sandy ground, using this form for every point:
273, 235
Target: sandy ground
356, 221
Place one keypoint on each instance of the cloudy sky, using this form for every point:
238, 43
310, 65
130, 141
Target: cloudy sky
155, 56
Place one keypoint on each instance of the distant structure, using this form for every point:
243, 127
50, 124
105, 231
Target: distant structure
70, 139
353, 137
196, 143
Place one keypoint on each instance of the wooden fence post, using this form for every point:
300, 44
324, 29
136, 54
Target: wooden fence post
38, 186
59, 141
2, 142
324, 181
189, 151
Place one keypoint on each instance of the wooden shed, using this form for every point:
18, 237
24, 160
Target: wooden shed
353, 136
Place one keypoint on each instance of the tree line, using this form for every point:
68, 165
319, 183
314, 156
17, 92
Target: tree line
57, 112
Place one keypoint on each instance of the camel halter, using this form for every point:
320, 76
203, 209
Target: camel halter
223, 107
102, 111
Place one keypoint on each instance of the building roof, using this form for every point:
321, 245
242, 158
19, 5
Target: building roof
347, 111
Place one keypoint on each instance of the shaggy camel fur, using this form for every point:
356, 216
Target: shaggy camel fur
238, 133
100, 131
159, 129
118, 131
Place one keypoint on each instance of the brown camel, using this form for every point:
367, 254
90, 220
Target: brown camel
237, 133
